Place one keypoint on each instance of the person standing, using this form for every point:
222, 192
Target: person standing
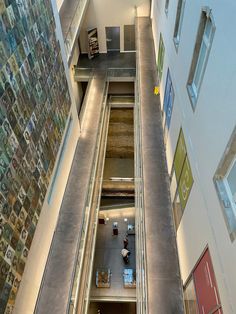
125, 242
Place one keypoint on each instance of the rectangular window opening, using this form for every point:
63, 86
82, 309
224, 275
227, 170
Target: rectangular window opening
160, 60
225, 183
178, 22
202, 48
166, 6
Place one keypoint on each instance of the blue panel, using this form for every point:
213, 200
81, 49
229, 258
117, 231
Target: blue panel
168, 100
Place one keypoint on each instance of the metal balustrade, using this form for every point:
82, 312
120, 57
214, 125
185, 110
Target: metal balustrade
113, 74
70, 30
141, 287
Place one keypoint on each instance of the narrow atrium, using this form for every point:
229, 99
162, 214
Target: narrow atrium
117, 157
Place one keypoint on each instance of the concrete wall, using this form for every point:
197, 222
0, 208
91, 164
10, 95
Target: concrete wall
102, 13
122, 88
207, 131
30, 285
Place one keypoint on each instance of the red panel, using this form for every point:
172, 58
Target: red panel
205, 285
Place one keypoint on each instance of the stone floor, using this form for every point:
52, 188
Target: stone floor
108, 255
108, 60
164, 284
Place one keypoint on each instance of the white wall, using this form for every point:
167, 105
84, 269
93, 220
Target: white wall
59, 4
31, 280
207, 131
76, 87
102, 13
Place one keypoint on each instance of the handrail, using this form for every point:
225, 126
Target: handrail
141, 269
111, 72
83, 108
71, 33
118, 206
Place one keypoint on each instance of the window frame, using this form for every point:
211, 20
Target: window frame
201, 38
167, 6
178, 23
227, 186
161, 57
223, 190
190, 280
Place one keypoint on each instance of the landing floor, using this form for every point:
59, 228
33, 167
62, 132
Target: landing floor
108, 255
108, 60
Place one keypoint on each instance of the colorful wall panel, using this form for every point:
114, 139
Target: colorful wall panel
206, 287
34, 107
183, 170
181, 179
168, 100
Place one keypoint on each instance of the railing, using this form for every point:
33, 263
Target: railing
75, 286
83, 109
141, 267
121, 72
70, 32
81, 74
99, 164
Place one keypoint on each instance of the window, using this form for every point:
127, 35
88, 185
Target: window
166, 6
225, 182
181, 180
202, 48
178, 22
190, 299
160, 60
230, 185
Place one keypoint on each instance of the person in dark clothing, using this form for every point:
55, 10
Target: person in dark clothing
126, 243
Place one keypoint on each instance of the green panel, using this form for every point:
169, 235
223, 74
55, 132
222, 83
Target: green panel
185, 183
161, 54
180, 154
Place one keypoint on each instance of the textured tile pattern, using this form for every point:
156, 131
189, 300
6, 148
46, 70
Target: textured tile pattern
34, 108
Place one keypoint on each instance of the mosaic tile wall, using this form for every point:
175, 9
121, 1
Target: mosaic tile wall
34, 106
